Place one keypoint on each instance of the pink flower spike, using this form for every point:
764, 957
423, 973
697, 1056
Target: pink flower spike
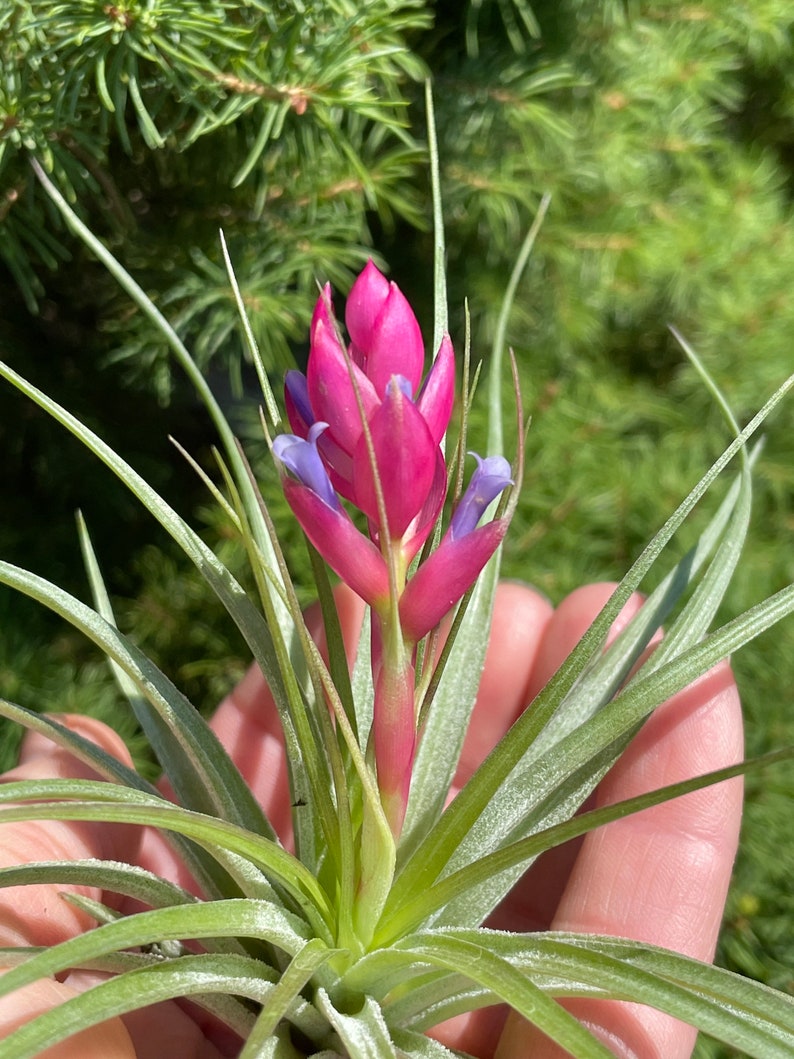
405, 455
440, 582
437, 395
347, 551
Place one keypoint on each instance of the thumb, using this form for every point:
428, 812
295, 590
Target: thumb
37, 915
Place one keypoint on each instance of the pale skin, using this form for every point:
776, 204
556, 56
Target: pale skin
660, 876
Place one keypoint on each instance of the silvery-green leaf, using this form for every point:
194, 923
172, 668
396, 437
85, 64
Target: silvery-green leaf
133, 990
364, 1034
225, 842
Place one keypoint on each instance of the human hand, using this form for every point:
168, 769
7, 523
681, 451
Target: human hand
660, 876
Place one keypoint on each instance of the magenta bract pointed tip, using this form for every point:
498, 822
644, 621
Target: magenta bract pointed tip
323, 310
330, 389
396, 346
365, 301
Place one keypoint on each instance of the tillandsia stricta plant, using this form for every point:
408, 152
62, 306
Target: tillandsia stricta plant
368, 926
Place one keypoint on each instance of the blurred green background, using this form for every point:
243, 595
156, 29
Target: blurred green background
664, 133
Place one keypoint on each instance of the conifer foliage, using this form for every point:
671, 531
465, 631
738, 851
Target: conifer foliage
660, 129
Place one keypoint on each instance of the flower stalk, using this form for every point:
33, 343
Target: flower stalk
368, 430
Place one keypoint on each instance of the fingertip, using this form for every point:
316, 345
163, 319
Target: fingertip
108, 1040
570, 621
37, 745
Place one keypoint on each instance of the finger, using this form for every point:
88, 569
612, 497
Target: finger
520, 618
660, 876
532, 904
248, 725
572, 618
38, 915
109, 1040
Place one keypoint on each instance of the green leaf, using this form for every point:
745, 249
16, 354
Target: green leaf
201, 771
521, 853
440, 308
242, 918
198, 863
225, 842
565, 774
240, 608
284, 995
364, 1033
478, 959
259, 642
496, 371
184, 977
750, 1017
113, 876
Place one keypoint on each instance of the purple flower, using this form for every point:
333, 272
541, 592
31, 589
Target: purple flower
300, 456
464, 550
493, 474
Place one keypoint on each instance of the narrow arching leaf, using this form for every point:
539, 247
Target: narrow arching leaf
607, 672
752, 1018
189, 366
495, 376
512, 808
200, 769
201, 867
246, 617
206, 919
225, 842
165, 980
565, 774
521, 853
283, 997
182, 741
476, 960
440, 308
113, 876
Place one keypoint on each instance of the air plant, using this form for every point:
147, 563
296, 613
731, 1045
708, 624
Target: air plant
371, 927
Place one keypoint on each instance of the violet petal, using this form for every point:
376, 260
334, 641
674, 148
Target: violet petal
302, 459
489, 479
